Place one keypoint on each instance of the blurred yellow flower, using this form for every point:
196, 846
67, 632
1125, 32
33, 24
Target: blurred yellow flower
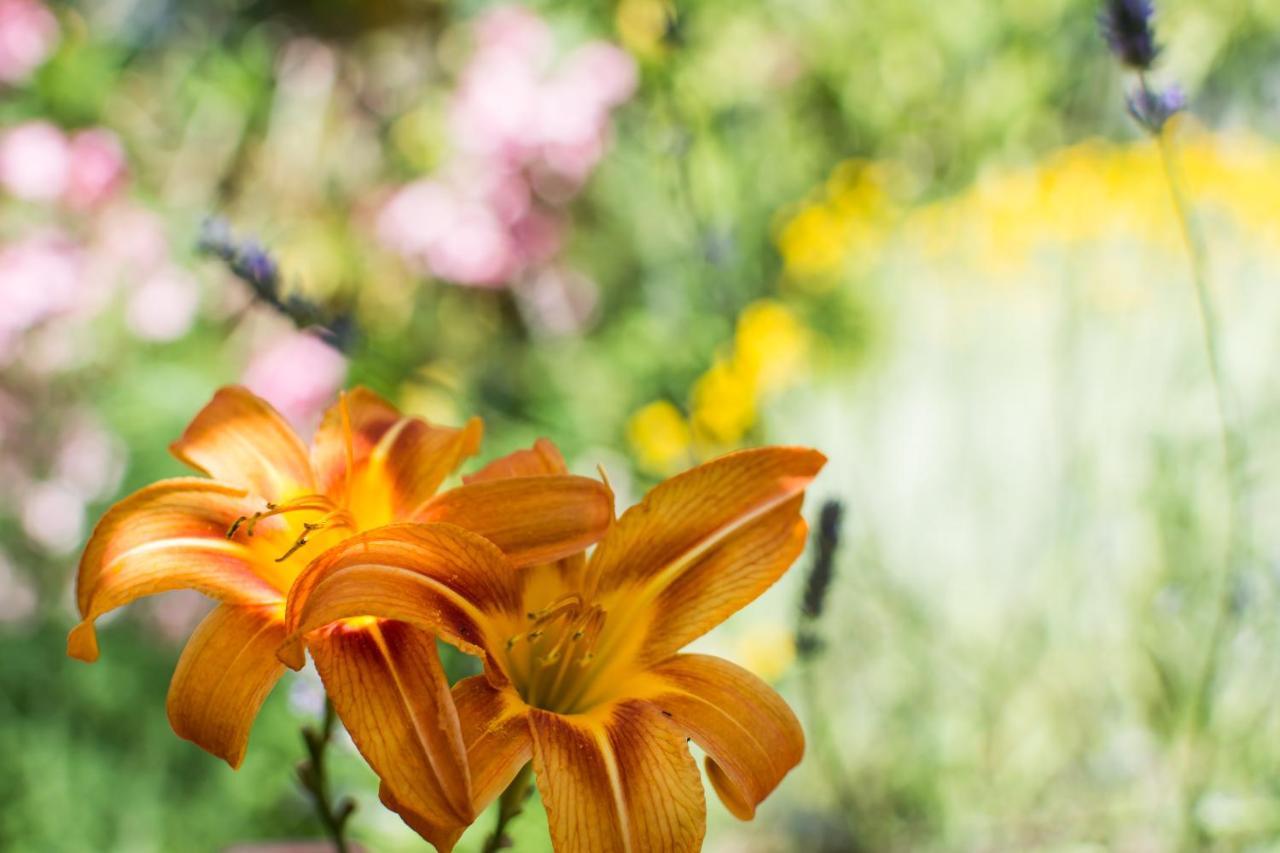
850, 220
772, 344
1093, 193
724, 403
770, 350
813, 242
660, 437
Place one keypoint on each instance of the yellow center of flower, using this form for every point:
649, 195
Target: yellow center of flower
553, 663
289, 527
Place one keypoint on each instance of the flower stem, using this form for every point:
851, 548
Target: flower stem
828, 750
510, 804
313, 776
1233, 451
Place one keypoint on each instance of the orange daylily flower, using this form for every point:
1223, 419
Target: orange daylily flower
268, 508
583, 671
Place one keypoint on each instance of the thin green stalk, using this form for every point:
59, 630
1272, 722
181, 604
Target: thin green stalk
313, 776
826, 748
1233, 452
510, 805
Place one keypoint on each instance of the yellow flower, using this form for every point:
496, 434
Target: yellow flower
583, 670
813, 242
268, 507
771, 344
724, 403
660, 436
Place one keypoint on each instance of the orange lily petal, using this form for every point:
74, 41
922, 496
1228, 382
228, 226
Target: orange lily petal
542, 459
442, 836
495, 729
238, 438
347, 435
169, 535
226, 671
705, 543
620, 779
531, 519
390, 465
389, 689
752, 738
438, 577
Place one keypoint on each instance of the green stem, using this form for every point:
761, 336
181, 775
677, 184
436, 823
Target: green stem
313, 776
1233, 452
827, 749
510, 804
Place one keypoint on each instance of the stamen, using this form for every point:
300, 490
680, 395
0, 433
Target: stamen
570, 602
307, 527
235, 525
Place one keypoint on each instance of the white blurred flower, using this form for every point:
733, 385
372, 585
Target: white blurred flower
164, 306
90, 460
53, 516
35, 161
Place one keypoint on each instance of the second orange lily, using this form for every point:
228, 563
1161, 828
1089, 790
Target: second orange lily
583, 671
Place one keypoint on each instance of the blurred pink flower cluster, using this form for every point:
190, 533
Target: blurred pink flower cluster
40, 163
28, 34
101, 245
527, 129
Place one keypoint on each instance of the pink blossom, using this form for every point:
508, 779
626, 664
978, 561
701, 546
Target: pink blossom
130, 238
28, 34
514, 31
446, 233
476, 250
35, 161
527, 133
608, 70
299, 374
39, 277
97, 168
538, 237
164, 306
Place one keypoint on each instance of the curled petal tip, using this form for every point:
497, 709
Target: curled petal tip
82, 642
292, 654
